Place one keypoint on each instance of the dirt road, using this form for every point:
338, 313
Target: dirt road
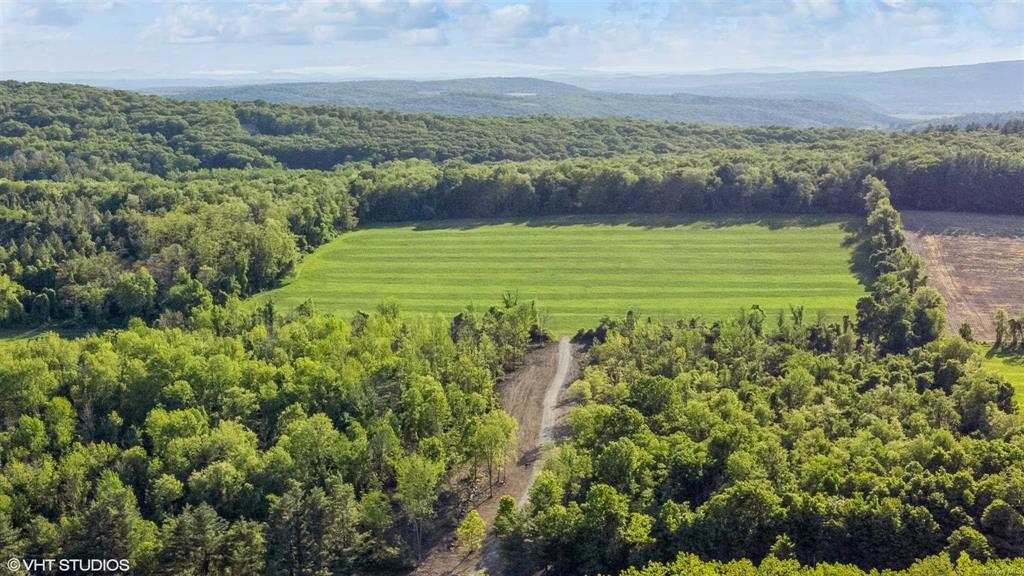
550, 415
531, 396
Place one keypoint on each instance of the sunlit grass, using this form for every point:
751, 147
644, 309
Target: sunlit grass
1009, 365
580, 270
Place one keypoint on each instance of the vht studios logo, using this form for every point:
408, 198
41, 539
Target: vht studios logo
68, 565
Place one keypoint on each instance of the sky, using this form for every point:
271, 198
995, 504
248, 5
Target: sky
258, 39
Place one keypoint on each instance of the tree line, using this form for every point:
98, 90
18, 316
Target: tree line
95, 252
253, 443
900, 312
691, 565
57, 131
1009, 332
774, 178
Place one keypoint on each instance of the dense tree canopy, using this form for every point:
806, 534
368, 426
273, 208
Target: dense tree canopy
85, 251
57, 130
202, 435
98, 252
752, 437
136, 225
61, 131
297, 444
691, 565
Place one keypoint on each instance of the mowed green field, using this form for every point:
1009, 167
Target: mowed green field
1010, 367
580, 270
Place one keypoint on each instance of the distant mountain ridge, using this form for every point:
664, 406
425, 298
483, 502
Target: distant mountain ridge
951, 90
894, 99
530, 96
674, 83
975, 119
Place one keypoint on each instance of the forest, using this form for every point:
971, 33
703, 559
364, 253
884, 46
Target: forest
58, 131
528, 96
209, 436
871, 443
96, 253
251, 443
117, 205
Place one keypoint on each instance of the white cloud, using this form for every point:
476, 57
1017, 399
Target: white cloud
817, 9
448, 37
296, 22
341, 70
32, 26
222, 72
511, 24
188, 24
423, 37
57, 13
1004, 15
511, 65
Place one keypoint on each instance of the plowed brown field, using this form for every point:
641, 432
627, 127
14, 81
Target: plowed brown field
976, 261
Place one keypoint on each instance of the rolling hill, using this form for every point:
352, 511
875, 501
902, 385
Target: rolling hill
529, 96
898, 98
941, 90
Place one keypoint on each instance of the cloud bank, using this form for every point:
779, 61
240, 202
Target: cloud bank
459, 37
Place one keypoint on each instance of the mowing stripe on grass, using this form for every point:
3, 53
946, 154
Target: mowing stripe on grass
580, 270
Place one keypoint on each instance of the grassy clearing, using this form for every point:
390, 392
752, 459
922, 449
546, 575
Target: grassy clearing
1010, 366
580, 270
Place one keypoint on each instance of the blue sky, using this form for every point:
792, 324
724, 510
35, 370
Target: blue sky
448, 38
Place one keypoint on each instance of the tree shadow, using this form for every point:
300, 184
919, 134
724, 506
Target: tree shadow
925, 223
529, 457
1013, 356
644, 221
860, 252
69, 332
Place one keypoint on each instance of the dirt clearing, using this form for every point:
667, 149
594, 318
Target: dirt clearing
531, 396
975, 261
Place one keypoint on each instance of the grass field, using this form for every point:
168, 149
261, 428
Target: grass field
580, 270
1011, 366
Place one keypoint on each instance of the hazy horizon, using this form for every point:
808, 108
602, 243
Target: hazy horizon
234, 42
131, 74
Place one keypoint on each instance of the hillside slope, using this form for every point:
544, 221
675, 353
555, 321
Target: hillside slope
940, 90
529, 96
55, 130
988, 87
